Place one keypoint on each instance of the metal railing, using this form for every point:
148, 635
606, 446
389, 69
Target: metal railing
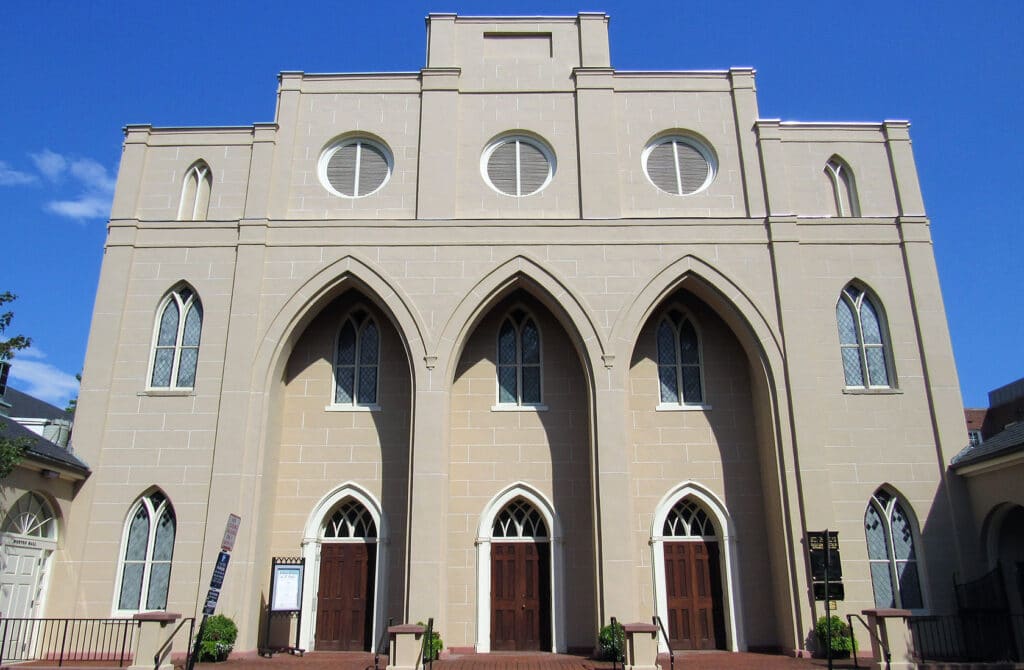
60, 640
671, 654
165, 648
968, 637
427, 651
853, 638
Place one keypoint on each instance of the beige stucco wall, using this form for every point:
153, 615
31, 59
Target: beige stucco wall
597, 254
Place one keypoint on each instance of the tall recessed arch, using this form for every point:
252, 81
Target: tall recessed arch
484, 537
719, 517
318, 529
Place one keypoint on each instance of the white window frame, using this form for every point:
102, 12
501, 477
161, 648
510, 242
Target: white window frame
518, 404
549, 156
885, 513
355, 405
154, 516
677, 139
183, 307
682, 405
196, 190
359, 141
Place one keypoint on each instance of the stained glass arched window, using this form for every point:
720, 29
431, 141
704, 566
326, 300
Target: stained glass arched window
892, 554
349, 521
519, 519
688, 519
148, 552
519, 360
863, 339
176, 340
356, 360
679, 360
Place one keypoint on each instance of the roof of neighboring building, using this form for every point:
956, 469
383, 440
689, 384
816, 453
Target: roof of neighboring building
42, 450
25, 406
1006, 442
975, 417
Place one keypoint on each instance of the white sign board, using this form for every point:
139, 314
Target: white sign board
230, 532
287, 588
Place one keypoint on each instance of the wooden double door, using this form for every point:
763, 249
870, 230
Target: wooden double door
693, 589
520, 596
344, 606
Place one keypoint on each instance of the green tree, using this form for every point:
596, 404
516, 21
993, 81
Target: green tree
11, 450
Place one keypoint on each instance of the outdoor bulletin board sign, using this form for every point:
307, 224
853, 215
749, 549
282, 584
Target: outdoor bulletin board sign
287, 575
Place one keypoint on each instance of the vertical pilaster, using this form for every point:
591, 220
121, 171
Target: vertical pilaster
904, 172
773, 166
597, 139
594, 51
129, 174
744, 101
439, 141
288, 95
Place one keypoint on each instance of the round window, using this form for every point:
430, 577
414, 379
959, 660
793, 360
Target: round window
679, 165
355, 167
517, 166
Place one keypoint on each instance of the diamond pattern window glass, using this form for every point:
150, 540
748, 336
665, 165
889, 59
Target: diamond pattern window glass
519, 360
357, 360
679, 360
148, 551
176, 341
892, 553
862, 340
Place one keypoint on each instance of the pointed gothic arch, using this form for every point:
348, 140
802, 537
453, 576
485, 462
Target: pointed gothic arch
519, 491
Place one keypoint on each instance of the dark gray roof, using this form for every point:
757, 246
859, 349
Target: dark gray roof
25, 406
1008, 441
40, 449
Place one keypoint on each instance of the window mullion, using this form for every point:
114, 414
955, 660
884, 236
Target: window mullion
357, 367
519, 186
179, 338
518, 332
679, 176
679, 368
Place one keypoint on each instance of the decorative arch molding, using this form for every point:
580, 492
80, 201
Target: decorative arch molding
991, 529
307, 301
740, 312
542, 504
519, 272
311, 541
724, 528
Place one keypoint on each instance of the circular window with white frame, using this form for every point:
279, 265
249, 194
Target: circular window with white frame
679, 165
518, 166
355, 167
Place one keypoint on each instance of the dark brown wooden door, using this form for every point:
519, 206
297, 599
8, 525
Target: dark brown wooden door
520, 604
345, 598
694, 594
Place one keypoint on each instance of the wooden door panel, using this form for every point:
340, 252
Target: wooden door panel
343, 599
519, 578
693, 595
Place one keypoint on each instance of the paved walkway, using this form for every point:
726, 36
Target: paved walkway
719, 660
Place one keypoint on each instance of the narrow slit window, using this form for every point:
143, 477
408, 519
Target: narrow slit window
844, 189
195, 193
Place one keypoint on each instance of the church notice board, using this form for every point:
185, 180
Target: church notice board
286, 587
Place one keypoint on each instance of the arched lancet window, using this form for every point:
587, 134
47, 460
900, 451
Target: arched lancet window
350, 520
519, 519
519, 360
863, 340
148, 550
195, 193
844, 190
688, 519
176, 340
356, 360
891, 553
679, 360
30, 516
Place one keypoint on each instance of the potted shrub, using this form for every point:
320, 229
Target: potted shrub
218, 639
841, 637
611, 641
432, 650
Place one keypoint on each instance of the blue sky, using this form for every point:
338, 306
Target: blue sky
74, 73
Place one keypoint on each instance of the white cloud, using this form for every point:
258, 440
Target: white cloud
50, 163
42, 380
96, 183
11, 177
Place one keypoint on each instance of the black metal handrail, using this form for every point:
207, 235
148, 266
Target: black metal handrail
427, 657
382, 643
671, 654
161, 653
881, 644
968, 637
25, 639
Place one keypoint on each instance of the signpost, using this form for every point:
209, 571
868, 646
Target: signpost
826, 576
220, 569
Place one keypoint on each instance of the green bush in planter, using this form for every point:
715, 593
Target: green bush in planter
842, 640
433, 648
218, 639
611, 642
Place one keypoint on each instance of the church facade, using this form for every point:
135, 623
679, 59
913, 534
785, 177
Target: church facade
519, 342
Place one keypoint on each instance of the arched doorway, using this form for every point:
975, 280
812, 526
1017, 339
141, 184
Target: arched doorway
28, 537
346, 556
519, 601
693, 556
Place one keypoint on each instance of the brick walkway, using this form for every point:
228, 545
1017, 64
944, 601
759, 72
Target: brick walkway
509, 661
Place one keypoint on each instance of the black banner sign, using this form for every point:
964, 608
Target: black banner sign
816, 542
